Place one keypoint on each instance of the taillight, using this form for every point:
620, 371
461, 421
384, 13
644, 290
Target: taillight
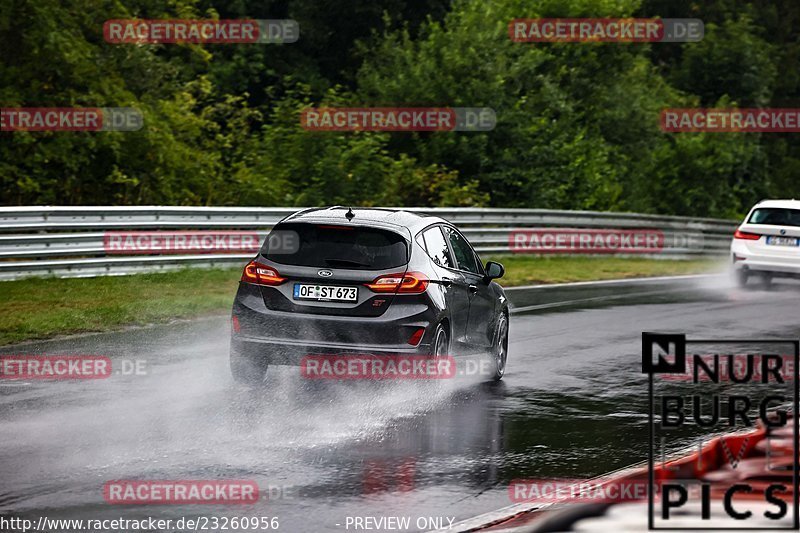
260, 274
408, 283
746, 236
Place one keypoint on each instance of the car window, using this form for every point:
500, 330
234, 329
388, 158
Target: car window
465, 257
437, 247
351, 247
775, 217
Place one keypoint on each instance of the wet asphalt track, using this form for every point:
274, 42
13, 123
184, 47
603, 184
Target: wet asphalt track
573, 405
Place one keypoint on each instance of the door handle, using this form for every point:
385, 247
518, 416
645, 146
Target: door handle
447, 282
473, 289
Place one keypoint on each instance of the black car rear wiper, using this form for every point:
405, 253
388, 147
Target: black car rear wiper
345, 262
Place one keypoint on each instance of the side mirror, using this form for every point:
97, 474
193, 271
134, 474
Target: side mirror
494, 271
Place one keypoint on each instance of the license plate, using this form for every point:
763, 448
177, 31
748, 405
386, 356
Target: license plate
325, 293
783, 241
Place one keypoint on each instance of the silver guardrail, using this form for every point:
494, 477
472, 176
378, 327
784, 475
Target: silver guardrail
69, 241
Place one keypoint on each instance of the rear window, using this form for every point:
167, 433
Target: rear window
332, 246
775, 216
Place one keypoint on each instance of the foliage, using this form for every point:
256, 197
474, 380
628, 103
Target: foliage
578, 124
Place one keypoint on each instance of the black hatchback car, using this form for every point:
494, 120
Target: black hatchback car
356, 281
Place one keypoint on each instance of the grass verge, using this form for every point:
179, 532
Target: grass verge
39, 308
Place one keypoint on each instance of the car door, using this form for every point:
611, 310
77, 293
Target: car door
453, 283
481, 311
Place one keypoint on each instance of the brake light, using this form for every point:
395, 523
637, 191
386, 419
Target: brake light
746, 236
260, 274
408, 283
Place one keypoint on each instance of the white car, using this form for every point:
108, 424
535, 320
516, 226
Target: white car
767, 243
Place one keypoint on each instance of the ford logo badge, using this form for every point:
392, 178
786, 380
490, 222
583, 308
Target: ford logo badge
325, 273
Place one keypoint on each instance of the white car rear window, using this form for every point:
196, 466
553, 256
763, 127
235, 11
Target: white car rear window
775, 216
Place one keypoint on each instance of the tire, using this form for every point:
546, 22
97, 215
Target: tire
742, 277
767, 280
440, 347
441, 342
246, 370
500, 348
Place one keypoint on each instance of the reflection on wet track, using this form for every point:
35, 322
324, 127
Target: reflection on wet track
573, 404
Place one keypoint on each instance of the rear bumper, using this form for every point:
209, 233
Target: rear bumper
777, 270
746, 260
284, 338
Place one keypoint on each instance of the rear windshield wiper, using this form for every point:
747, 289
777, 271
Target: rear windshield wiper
345, 262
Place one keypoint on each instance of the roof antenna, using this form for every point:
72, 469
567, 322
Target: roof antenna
350, 215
